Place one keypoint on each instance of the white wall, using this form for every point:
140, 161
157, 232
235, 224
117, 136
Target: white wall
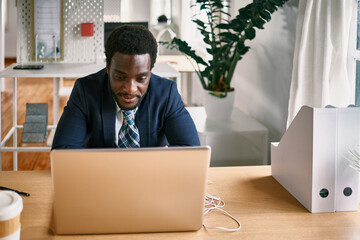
10, 30
262, 78
141, 10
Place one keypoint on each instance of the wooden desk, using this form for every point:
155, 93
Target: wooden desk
264, 208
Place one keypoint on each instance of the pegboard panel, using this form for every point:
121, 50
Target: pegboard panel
76, 48
24, 29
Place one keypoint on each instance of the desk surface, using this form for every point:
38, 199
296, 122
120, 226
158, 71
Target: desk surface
51, 70
264, 208
77, 70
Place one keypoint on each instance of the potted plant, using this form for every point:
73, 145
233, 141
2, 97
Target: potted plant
226, 44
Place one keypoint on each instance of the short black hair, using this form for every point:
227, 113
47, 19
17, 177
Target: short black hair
132, 40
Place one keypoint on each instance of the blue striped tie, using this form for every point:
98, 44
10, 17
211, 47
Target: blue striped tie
129, 134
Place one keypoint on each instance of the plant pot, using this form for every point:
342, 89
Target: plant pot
216, 108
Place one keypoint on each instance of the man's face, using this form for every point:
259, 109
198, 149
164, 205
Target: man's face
129, 78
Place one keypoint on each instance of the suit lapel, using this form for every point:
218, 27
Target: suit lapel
108, 109
142, 119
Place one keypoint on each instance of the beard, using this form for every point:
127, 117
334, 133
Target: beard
125, 106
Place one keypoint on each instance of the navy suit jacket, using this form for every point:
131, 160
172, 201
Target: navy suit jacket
88, 120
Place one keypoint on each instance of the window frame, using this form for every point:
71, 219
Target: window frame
353, 61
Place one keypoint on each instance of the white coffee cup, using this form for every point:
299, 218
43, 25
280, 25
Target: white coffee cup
11, 205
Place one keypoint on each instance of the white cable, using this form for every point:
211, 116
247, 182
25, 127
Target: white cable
213, 202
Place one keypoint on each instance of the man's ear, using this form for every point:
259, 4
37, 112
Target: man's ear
108, 69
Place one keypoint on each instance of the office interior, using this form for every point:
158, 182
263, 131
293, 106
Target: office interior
262, 79
268, 96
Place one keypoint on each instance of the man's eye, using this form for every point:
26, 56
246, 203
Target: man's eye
142, 79
119, 77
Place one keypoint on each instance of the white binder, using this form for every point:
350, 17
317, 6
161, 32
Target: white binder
310, 160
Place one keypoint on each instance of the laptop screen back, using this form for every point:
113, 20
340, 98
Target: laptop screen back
130, 190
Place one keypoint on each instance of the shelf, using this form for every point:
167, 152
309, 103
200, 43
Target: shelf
26, 147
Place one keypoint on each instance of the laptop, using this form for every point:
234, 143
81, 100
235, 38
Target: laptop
99, 191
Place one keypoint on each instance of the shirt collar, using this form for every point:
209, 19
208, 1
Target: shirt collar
117, 106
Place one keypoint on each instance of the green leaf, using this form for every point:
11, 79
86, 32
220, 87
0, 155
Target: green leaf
238, 25
270, 7
265, 15
243, 50
186, 49
204, 6
225, 13
218, 5
223, 26
199, 23
245, 14
207, 40
258, 22
240, 45
229, 36
204, 32
250, 33
277, 2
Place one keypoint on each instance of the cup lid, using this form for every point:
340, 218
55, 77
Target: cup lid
11, 205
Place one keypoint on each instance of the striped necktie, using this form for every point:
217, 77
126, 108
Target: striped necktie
129, 134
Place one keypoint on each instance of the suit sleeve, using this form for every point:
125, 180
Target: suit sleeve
72, 126
180, 129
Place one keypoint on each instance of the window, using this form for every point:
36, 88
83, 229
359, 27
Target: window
356, 53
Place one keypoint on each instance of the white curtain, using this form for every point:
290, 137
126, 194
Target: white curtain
320, 74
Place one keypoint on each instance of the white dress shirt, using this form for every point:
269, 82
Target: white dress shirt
118, 123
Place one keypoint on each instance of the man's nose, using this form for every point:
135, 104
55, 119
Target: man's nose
131, 86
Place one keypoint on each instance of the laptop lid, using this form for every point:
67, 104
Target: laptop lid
129, 190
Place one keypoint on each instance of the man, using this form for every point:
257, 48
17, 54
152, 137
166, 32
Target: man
100, 108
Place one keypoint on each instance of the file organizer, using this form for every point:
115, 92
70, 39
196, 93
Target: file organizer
309, 161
